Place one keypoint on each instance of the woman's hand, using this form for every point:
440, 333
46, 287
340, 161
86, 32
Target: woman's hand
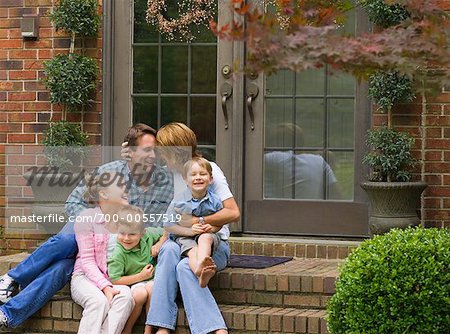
110, 292
147, 272
125, 151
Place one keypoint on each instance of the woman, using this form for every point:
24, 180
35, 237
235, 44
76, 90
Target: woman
201, 308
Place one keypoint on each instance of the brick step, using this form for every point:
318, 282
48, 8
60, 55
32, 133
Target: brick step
300, 283
62, 316
296, 247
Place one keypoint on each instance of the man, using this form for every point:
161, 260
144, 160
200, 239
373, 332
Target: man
50, 266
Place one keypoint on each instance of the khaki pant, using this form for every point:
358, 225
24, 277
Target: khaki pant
99, 317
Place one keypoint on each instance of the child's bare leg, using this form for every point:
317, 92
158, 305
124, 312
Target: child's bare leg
193, 260
160, 330
206, 264
221, 331
140, 297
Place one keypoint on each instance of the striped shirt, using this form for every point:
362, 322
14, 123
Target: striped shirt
153, 200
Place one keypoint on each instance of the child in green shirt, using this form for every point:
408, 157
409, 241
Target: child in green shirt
133, 261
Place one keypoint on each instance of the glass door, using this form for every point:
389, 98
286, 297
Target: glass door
289, 144
303, 143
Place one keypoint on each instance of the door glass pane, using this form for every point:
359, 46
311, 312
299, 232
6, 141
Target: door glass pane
174, 69
145, 110
175, 81
145, 71
341, 120
310, 117
203, 120
309, 136
204, 75
310, 82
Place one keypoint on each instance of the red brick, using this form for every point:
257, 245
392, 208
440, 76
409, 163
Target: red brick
21, 117
21, 138
10, 106
432, 203
37, 106
10, 23
22, 54
10, 86
11, 44
22, 96
3, 12
433, 179
34, 86
433, 155
45, 54
22, 75
33, 64
10, 127
11, 3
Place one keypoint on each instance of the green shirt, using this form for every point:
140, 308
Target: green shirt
130, 262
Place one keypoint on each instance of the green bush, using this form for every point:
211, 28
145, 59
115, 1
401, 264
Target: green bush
397, 283
64, 144
389, 88
71, 79
76, 16
382, 14
390, 154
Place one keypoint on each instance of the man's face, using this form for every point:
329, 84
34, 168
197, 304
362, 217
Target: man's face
143, 156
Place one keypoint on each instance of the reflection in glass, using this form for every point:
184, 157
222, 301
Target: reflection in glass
145, 70
341, 84
310, 82
341, 123
299, 175
342, 164
174, 69
278, 111
280, 83
310, 115
203, 119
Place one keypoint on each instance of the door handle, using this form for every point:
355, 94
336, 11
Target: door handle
226, 90
252, 93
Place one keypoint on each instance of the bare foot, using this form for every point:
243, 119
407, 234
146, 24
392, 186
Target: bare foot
208, 270
206, 262
162, 330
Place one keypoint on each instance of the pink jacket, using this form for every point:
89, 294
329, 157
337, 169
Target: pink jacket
92, 239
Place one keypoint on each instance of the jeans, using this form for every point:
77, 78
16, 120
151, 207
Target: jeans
202, 311
41, 275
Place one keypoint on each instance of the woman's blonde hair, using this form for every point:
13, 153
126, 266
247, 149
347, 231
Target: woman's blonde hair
132, 218
177, 134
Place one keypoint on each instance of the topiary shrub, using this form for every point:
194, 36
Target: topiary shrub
71, 79
390, 155
389, 88
396, 283
382, 14
78, 17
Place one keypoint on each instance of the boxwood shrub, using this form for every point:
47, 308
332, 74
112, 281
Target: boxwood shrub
397, 283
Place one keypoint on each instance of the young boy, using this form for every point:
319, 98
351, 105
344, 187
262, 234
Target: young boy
133, 261
198, 242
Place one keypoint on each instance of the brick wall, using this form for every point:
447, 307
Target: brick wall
24, 105
25, 111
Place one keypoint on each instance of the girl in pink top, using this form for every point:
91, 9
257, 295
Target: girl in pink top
106, 306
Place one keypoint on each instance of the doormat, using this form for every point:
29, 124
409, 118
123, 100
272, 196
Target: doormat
256, 261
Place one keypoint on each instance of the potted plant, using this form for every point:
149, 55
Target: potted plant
393, 197
71, 80
394, 283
